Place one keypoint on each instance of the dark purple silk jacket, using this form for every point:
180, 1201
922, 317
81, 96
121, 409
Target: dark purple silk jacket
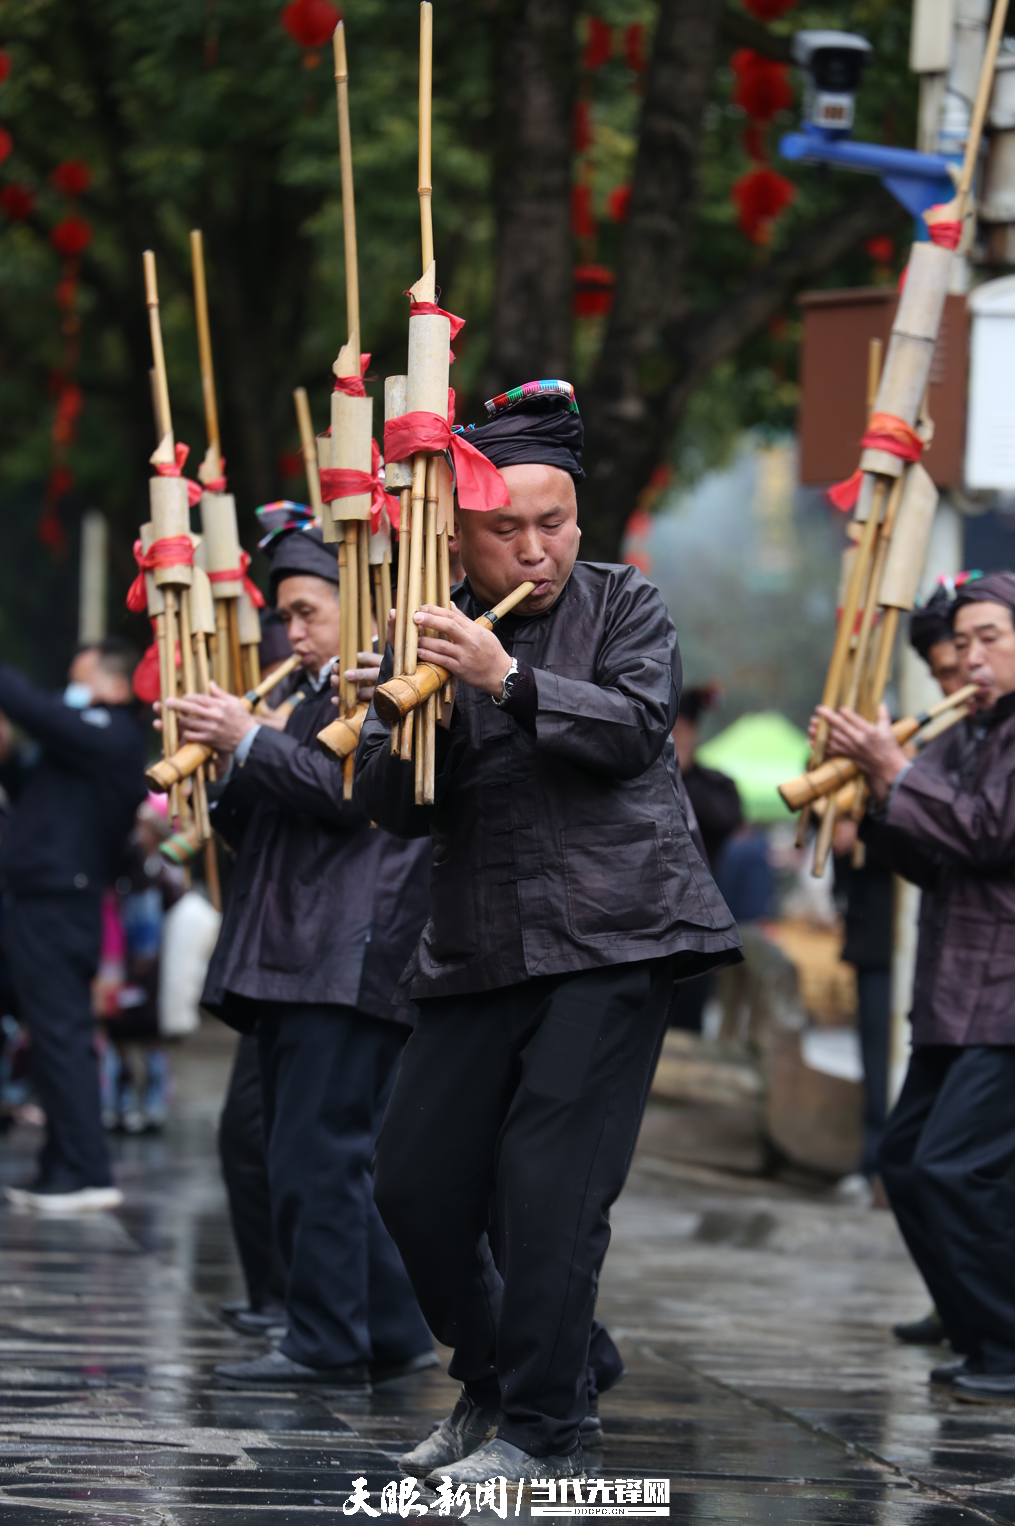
567, 848
951, 830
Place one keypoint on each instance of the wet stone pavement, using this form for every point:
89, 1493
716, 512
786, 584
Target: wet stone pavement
753, 1315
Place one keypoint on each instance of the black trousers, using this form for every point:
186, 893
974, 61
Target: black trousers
327, 1073
946, 1161
53, 945
874, 1002
245, 1172
530, 1097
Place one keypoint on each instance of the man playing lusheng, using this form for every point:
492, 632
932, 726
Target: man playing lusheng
948, 823
565, 896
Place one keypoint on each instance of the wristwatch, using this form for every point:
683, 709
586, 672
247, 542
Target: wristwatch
507, 688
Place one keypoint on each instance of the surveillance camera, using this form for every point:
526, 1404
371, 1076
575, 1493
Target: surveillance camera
833, 64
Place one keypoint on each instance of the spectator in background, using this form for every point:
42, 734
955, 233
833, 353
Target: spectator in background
713, 794
930, 634
135, 1061
74, 804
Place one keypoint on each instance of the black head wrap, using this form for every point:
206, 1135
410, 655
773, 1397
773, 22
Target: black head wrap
535, 425
932, 623
275, 645
301, 553
694, 701
987, 588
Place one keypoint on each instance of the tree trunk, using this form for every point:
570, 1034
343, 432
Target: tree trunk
534, 65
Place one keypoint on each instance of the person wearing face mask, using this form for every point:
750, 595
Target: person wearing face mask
566, 896
74, 805
323, 911
946, 821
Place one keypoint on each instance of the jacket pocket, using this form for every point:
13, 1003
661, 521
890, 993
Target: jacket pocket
293, 921
614, 880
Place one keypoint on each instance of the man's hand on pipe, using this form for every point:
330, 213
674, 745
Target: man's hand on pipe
871, 746
364, 677
217, 720
468, 651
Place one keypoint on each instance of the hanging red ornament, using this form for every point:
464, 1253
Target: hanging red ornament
582, 126
762, 88
583, 222
768, 10
17, 201
760, 196
635, 54
311, 23
6, 144
6, 64
593, 290
72, 177
618, 204
598, 45
71, 236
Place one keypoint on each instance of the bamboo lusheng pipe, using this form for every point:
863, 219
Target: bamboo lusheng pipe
173, 770
308, 446
340, 738
158, 354
400, 696
836, 772
213, 460
348, 198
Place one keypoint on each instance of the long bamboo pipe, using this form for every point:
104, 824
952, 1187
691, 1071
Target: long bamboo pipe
308, 445
172, 770
400, 696
211, 414
348, 196
830, 776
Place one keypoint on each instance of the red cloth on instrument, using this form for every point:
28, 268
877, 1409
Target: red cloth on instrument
239, 575
172, 551
175, 469
145, 679
353, 386
885, 431
431, 310
345, 482
946, 233
479, 484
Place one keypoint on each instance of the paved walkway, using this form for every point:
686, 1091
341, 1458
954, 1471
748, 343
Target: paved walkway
753, 1316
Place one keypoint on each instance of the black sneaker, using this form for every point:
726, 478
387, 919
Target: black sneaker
984, 1387
929, 1331
944, 1376
278, 1371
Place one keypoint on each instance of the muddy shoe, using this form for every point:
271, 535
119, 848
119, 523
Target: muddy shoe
501, 1459
468, 1427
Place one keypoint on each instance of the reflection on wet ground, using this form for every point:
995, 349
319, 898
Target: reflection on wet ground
753, 1316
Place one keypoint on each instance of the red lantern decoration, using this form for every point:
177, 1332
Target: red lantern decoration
599, 44
17, 201
6, 65
72, 177
635, 55
71, 236
618, 204
762, 88
593, 290
6, 144
582, 126
760, 197
583, 222
768, 10
881, 249
311, 23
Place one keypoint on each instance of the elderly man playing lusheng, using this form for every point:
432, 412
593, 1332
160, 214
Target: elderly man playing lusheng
566, 895
947, 821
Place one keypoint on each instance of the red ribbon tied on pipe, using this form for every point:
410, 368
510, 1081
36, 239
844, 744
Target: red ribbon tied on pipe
345, 482
431, 310
175, 469
172, 551
479, 484
887, 432
353, 386
239, 575
145, 681
946, 232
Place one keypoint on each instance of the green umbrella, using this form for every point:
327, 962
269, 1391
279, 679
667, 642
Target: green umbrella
759, 752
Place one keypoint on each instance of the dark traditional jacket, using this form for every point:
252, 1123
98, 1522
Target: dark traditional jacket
75, 804
716, 802
322, 906
566, 848
950, 828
